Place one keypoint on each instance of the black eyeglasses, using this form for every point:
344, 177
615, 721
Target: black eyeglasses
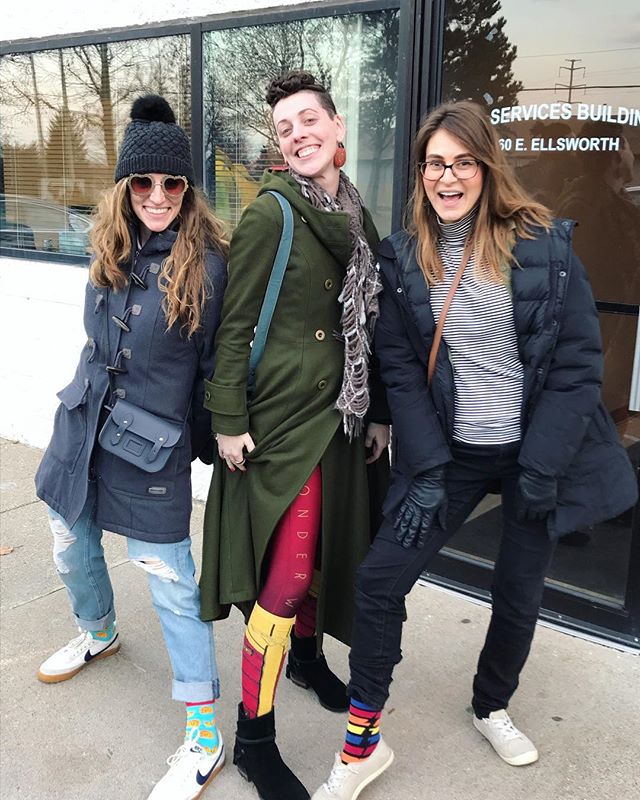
433, 169
173, 186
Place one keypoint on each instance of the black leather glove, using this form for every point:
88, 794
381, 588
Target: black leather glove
425, 499
537, 495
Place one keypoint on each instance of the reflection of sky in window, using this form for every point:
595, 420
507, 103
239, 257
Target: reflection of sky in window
548, 31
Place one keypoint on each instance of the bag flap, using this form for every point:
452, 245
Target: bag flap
143, 423
74, 394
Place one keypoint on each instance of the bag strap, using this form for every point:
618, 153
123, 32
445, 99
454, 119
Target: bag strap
273, 289
435, 346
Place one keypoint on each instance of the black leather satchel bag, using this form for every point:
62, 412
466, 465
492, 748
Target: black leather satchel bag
139, 437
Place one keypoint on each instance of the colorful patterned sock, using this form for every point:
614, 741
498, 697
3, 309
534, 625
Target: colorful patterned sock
363, 732
266, 642
106, 634
305, 626
201, 717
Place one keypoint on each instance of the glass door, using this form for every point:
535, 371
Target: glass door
565, 98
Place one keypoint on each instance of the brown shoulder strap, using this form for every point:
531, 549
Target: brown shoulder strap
435, 346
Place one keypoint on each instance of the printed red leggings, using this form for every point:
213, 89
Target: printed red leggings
292, 551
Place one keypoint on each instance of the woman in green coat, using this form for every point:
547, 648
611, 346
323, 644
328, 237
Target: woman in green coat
289, 516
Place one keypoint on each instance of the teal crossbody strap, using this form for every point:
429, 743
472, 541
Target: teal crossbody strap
273, 290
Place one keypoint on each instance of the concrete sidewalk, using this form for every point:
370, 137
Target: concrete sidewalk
107, 732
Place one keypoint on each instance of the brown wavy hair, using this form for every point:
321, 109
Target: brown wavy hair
505, 210
183, 278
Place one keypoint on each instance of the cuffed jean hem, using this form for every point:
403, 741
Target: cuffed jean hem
195, 692
377, 700
94, 625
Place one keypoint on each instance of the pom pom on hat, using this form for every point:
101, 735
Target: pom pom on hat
153, 108
154, 142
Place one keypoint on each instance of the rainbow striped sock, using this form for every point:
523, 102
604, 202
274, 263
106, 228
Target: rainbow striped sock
106, 634
363, 732
202, 718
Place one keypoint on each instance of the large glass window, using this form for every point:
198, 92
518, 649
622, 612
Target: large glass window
355, 55
63, 114
561, 82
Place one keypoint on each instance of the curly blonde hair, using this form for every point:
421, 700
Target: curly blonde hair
183, 278
505, 210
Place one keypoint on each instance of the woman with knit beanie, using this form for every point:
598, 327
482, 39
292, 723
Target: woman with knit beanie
289, 515
132, 420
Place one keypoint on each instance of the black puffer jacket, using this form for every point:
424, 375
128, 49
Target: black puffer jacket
566, 432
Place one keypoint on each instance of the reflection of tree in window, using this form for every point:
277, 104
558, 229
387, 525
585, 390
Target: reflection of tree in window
115, 73
242, 62
65, 154
478, 55
353, 55
238, 66
378, 97
74, 103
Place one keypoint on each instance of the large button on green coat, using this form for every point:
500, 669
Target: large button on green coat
293, 424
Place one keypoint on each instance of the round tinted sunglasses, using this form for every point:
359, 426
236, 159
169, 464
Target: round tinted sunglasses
173, 186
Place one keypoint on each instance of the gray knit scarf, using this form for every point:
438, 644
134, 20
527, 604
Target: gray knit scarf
359, 298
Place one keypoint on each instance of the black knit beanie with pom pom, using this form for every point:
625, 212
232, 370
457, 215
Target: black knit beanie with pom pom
154, 142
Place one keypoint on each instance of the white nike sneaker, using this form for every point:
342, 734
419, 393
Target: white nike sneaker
191, 770
509, 743
70, 659
348, 780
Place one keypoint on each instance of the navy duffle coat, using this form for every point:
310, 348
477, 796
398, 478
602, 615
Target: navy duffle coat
164, 374
566, 432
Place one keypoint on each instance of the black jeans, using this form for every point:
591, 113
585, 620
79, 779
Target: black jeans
389, 571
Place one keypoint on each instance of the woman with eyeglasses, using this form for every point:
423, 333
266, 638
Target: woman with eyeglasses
508, 399
132, 420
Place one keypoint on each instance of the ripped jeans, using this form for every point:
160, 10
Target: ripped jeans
80, 563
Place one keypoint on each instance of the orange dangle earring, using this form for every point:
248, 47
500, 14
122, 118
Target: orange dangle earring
340, 157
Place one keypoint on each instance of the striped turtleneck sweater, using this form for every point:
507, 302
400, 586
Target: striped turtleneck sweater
479, 332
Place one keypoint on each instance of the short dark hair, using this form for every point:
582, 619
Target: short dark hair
297, 80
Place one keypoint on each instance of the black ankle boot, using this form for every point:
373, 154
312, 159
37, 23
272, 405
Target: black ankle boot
310, 671
258, 760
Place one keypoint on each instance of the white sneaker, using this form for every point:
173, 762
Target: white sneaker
348, 780
191, 770
509, 743
70, 659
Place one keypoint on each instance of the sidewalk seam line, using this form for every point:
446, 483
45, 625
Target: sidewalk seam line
16, 508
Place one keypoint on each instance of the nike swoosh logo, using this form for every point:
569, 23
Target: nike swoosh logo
202, 779
88, 656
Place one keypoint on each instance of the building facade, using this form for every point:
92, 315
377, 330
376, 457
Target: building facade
561, 81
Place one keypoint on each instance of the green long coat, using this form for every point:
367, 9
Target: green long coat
291, 415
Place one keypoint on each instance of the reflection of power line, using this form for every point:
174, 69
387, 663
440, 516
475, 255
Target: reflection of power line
606, 86
580, 52
571, 85
616, 69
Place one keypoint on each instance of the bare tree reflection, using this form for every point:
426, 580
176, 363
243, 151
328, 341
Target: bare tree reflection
64, 110
354, 55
